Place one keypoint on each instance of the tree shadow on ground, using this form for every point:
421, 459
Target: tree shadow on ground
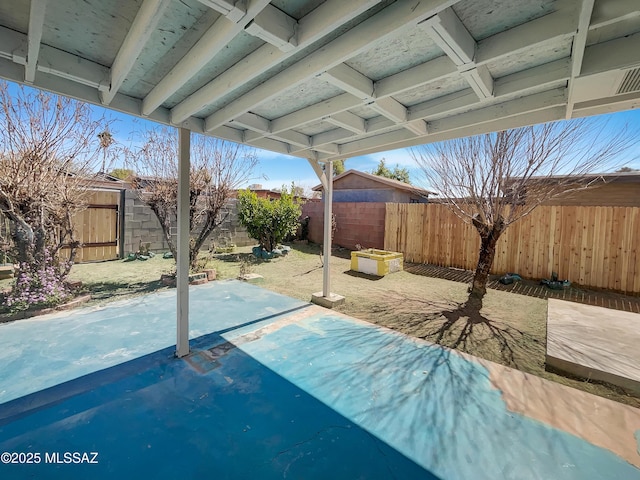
441, 400
463, 327
111, 290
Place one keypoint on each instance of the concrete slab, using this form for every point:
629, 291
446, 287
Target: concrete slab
594, 343
277, 388
333, 300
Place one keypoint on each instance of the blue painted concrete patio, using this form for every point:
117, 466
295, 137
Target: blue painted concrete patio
275, 388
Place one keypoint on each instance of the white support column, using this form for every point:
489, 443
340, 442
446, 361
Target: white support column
326, 298
182, 279
36, 21
328, 220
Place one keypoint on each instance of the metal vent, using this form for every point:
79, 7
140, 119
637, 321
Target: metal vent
630, 82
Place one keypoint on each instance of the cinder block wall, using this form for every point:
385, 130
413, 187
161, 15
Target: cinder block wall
357, 223
141, 225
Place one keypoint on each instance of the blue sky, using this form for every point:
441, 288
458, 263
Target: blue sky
275, 170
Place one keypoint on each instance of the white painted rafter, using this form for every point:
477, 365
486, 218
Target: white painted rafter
612, 55
454, 39
52, 60
320, 21
577, 50
275, 27
348, 121
550, 76
555, 26
607, 13
273, 145
233, 10
349, 80
419, 127
500, 114
402, 138
324, 142
332, 136
253, 122
36, 22
550, 29
433, 70
290, 136
387, 22
141, 29
315, 112
480, 80
451, 36
390, 108
358, 85
210, 44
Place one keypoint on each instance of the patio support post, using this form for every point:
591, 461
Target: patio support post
326, 242
326, 298
182, 277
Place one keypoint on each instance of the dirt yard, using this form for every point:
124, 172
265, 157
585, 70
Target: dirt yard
510, 329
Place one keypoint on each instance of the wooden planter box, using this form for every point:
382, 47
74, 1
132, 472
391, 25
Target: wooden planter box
194, 278
376, 262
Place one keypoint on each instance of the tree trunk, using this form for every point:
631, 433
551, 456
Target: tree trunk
488, 239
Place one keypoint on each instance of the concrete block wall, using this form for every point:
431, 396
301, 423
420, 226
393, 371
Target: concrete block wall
141, 225
358, 223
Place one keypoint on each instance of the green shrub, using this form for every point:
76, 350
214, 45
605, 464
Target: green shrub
270, 221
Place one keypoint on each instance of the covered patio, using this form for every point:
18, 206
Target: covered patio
278, 388
271, 387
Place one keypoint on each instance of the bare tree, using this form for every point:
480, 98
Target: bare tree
218, 168
493, 180
47, 154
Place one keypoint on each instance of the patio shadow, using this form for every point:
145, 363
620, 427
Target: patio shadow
156, 417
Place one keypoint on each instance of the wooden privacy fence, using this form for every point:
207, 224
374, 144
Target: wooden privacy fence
591, 246
97, 228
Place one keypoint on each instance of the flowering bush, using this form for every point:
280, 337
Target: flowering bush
38, 285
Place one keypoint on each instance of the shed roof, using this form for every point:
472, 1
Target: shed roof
383, 180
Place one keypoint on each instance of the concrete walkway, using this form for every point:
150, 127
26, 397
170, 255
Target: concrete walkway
594, 343
277, 388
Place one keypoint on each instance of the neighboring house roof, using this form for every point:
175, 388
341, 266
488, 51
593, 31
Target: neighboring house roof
625, 177
384, 180
102, 181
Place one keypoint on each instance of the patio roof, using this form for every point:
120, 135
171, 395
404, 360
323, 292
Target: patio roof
331, 79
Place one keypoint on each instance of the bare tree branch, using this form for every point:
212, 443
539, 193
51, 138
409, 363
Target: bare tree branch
493, 180
218, 168
48, 151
